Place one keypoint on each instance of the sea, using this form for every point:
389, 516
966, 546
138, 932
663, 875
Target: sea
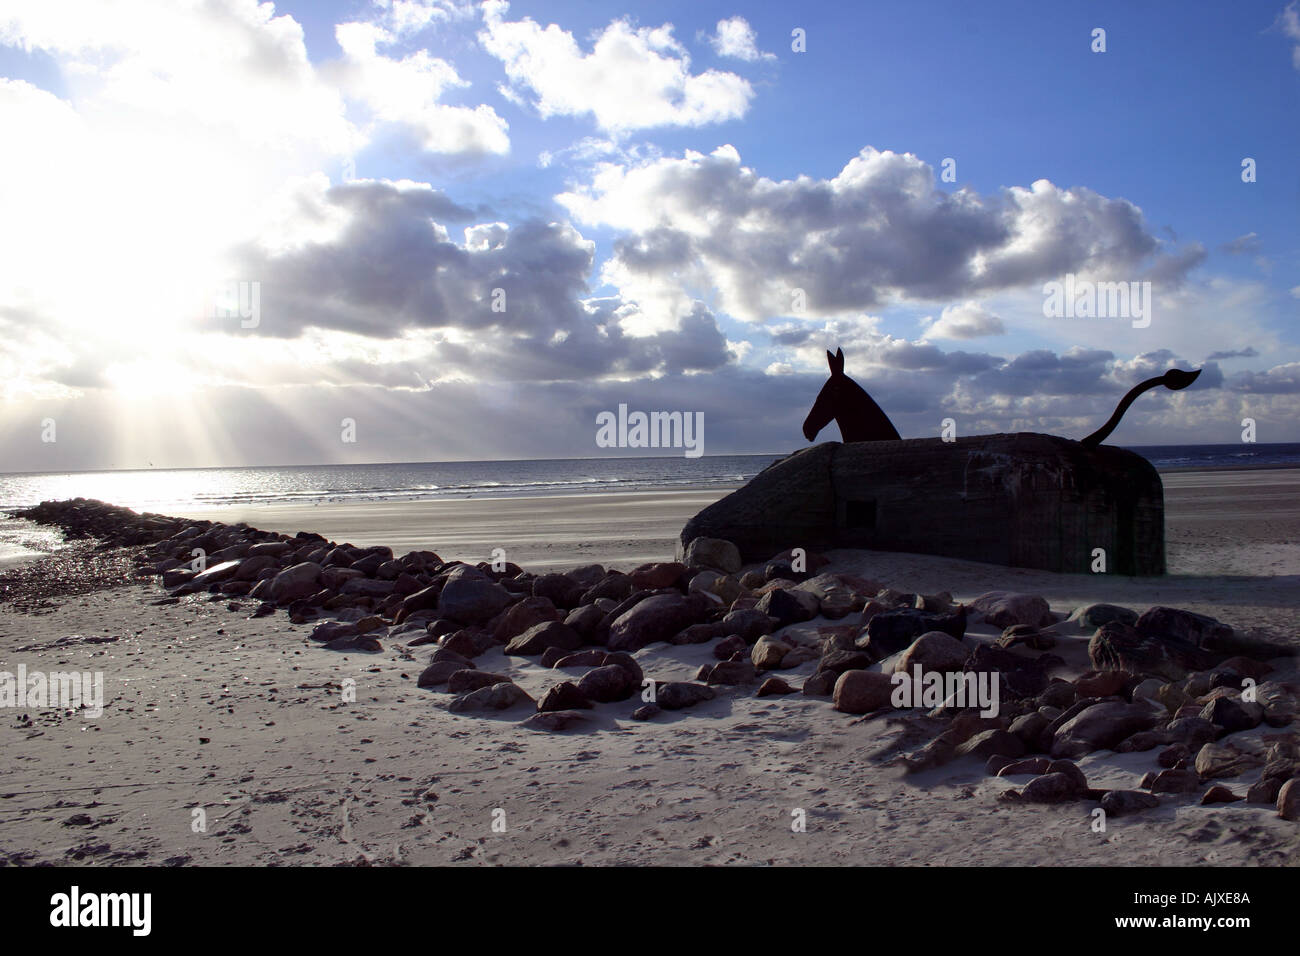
161, 490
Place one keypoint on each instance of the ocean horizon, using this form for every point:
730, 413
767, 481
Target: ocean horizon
161, 488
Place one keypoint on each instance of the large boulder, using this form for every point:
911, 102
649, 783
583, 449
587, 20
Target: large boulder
539, 637
1101, 726
934, 651
656, 618
860, 692
1002, 609
470, 597
715, 553
295, 582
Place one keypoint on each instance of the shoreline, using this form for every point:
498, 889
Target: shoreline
212, 706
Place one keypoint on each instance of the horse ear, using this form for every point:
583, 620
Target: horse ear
836, 361
830, 360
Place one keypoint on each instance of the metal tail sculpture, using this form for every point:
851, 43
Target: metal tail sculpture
1174, 379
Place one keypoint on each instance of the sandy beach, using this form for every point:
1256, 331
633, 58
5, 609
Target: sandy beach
236, 722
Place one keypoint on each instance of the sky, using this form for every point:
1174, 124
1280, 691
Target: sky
235, 233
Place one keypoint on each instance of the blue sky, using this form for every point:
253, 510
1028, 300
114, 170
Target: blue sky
664, 175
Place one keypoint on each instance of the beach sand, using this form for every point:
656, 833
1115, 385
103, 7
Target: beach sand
243, 719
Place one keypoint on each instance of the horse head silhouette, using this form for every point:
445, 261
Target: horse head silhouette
860, 418
841, 398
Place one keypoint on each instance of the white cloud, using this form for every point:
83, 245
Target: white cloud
969, 320
736, 38
1289, 20
633, 78
877, 233
407, 91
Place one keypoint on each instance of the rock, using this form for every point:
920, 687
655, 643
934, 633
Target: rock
676, 695
1118, 803
522, 615
1058, 693
768, 653
563, 696
1195, 732
215, 574
607, 683
560, 589
1173, 755
1049, 788
728, 646
1092, 616
1214, 761
295, 582
1071, 770
646, 712
1233, 715
1117, 646
836, 661
749, 623
1218, 794
716, 553
614, 585
774, 686
656, 618
461, 642
495, 697
699, 633
1101, 683
438, 673
784, 606
1100, 727
554, 720
1142, 741
591, 657
1175, 781
1028, 635
1035, 766
1264, 790
732, 673
821, 684
1029, 728
663, 574
470, 598
1288, 800
628, 663
467, 679
1021, 675
1148, 689
986, 743
1185, 626
860, 692
933, 651
539, 637
332, 630
1005, 608
891, 631
585, 620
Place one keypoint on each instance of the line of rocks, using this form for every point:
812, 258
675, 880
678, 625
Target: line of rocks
1167, 679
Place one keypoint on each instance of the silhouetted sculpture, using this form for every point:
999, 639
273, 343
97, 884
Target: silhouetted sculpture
1174, 379
857, 414
1023, 500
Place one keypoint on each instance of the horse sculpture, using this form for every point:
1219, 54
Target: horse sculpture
861, 419
1023, 500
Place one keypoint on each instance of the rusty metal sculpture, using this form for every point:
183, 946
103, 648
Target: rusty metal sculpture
1023, 500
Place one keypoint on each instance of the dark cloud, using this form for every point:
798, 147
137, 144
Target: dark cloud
1247, 352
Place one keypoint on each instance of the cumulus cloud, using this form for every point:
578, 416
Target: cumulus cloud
736, 38
633, 77
969, 320
512, 300
407, 92
876, 233
1242, 245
